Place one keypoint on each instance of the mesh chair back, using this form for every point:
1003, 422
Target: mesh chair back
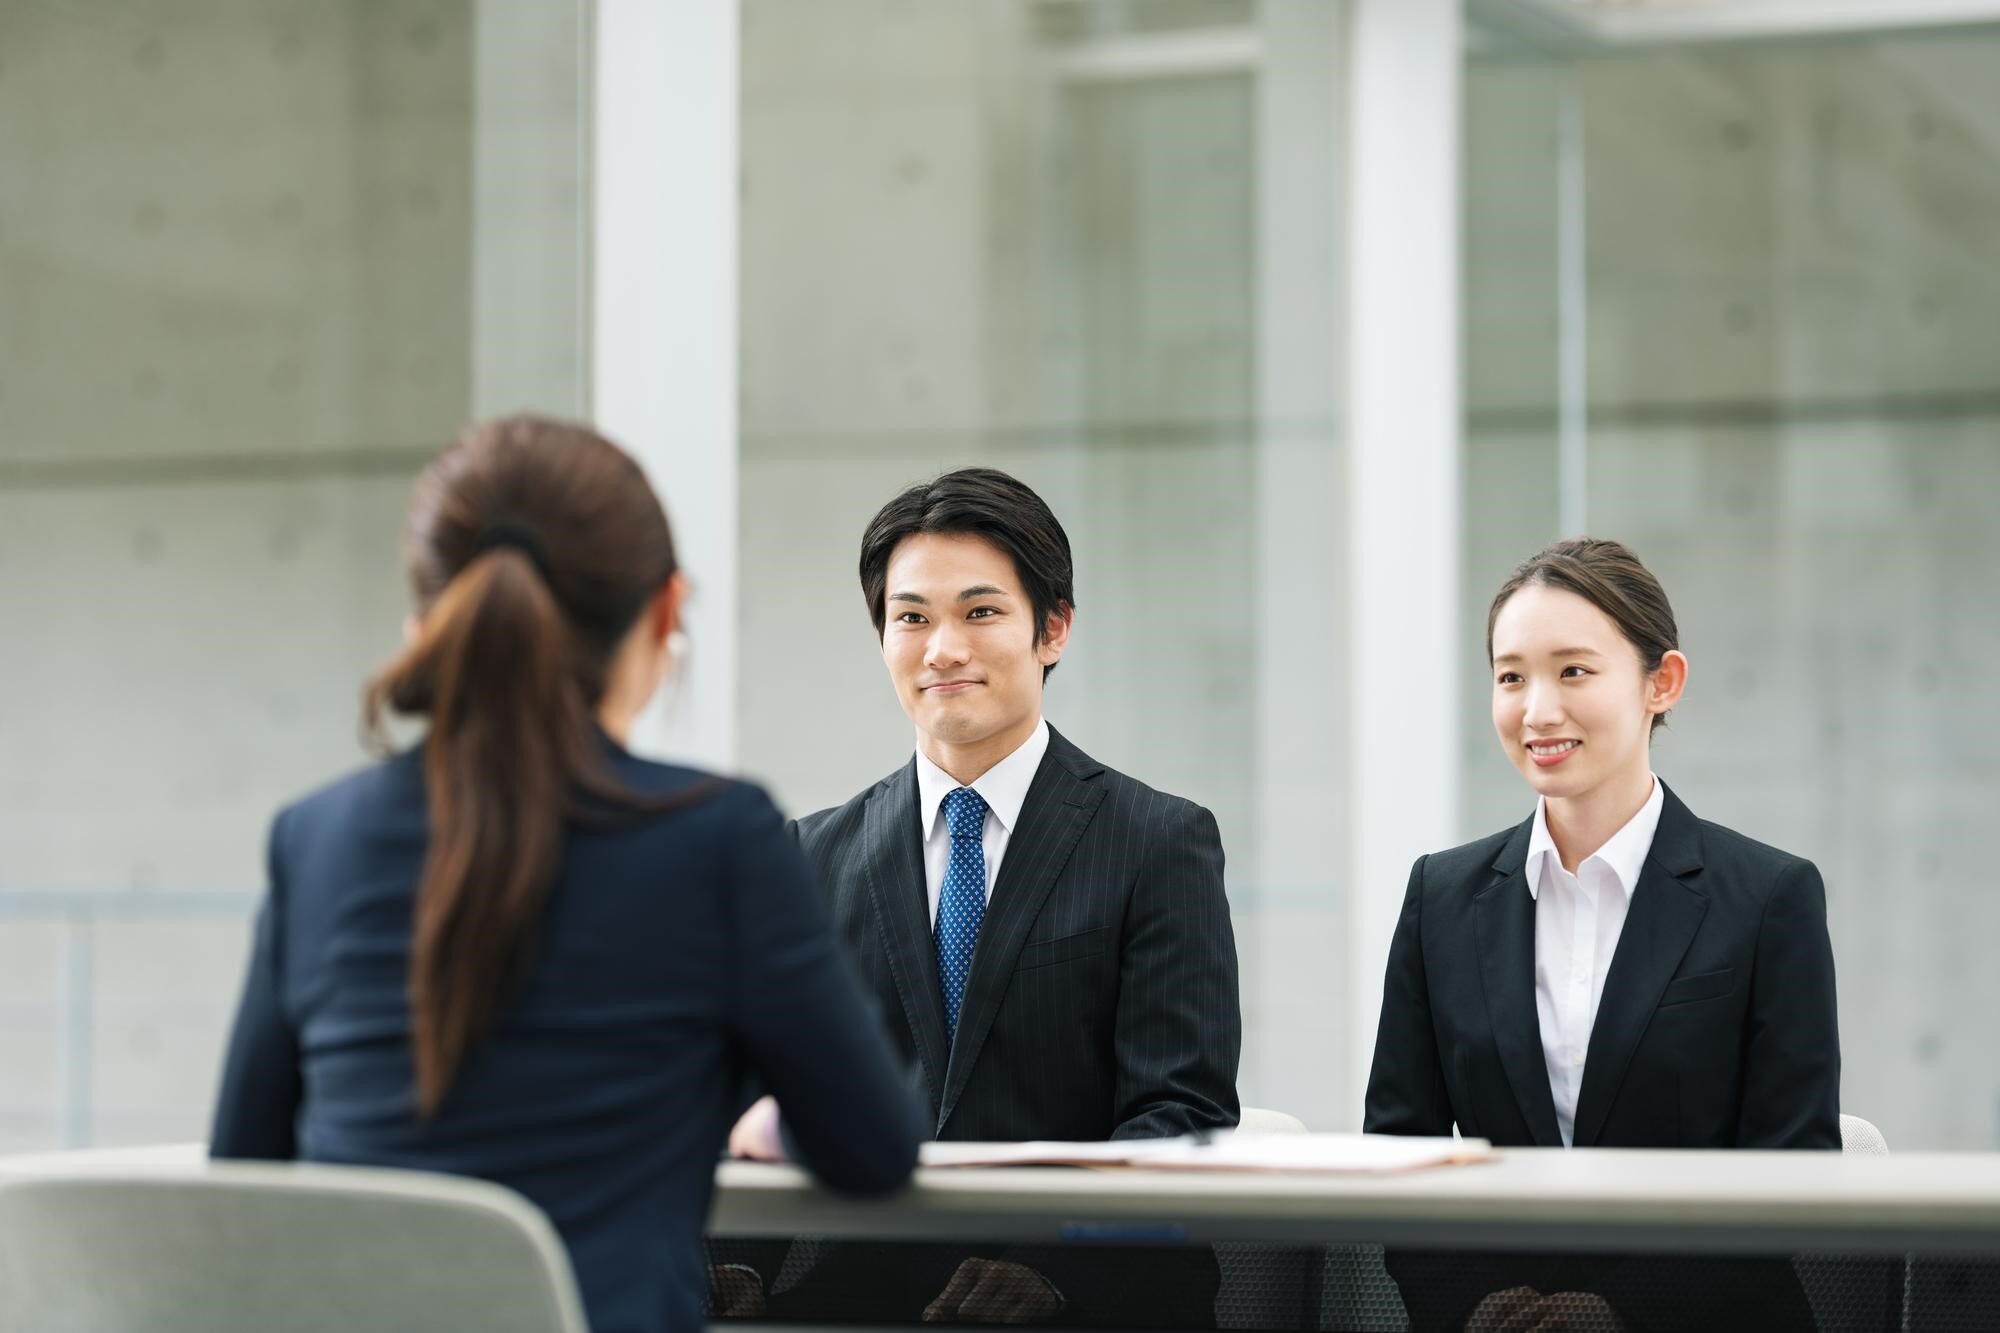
1262, 1120
1860, 1138
1849, 1294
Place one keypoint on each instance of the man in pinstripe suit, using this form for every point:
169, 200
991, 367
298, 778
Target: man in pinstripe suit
1048, 938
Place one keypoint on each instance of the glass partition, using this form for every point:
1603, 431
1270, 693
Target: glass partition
1789, 264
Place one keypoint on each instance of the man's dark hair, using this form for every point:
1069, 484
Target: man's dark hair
976, 502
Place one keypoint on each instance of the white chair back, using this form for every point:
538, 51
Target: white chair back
236, 1247
1860, 1138
1261, 1120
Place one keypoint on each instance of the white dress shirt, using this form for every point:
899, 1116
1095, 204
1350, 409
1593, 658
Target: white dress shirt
1004, 788
1578, 919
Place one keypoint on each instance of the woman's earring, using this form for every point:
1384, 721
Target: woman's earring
677, 646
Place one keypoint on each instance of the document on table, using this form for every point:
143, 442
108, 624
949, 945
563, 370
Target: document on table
1040, 1152
1229, 1151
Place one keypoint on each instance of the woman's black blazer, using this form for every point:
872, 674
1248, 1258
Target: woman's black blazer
1716, 1028
677, 955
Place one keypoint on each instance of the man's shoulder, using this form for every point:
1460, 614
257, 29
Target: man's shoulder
825, 833
822, 824
1126, 798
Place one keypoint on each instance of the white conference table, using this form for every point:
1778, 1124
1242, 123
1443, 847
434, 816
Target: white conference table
1543, 1199
1529, 1198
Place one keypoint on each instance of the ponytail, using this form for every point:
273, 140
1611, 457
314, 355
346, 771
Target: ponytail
509, 740
533, 548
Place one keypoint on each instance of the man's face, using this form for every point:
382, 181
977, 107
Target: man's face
958, 636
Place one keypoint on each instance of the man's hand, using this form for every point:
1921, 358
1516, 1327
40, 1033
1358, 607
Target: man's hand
1503, 1310
992, 1291
1578, 1312
1525, 1310
756, 1134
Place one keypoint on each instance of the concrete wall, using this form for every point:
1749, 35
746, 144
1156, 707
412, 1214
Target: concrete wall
238, 308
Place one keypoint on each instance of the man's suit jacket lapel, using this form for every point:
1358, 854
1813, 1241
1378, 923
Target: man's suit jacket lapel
1667, 908
1505, 916
898, 891
1060, 803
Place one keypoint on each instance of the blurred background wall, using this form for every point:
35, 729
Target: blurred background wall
1737, 304
259, 259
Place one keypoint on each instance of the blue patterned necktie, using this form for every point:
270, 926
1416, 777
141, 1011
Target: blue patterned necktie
962, 900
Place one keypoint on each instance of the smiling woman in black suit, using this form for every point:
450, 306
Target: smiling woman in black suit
1613, 971
518, 951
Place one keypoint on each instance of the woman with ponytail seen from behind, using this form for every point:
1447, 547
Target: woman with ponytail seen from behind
518, 952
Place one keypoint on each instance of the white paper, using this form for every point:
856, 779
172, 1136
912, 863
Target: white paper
1226, 1151
1041, 1152
1310, 1152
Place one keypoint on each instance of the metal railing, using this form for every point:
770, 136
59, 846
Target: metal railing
80, 912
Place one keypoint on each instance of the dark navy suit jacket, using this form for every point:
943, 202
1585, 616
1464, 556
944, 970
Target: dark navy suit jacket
1716, 1029
679, 955
1102, 1004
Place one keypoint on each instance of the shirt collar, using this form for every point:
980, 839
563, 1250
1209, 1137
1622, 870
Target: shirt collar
1624, 854
1004, 787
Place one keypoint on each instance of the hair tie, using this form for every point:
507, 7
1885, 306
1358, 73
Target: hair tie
514, 535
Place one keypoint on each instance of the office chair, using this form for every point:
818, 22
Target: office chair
1850, 1292
1265, 1286
1261, 1120
1859, 1138
237, 1247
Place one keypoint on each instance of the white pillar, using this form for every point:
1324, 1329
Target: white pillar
1403, 661
1572, 316
1290, 920
664, 319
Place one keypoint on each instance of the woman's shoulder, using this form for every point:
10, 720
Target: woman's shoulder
393, 787
1470, 860
1685, 837
1732, 857
692, 803
338, 829
392, 783
706, 790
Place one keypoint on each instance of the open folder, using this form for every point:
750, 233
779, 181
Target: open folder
1226, 1151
